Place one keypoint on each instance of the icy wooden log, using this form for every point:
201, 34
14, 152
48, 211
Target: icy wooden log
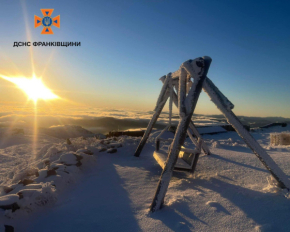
280, 139
229, 105
162, 99
161, 157
232, 119
185, 159
197, 69
187, 155
191, 125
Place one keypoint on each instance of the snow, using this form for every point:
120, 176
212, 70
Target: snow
9, 199
230, 191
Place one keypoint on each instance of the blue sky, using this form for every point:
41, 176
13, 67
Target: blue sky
128, 45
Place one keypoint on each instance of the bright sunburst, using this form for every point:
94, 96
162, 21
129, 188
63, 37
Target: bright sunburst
33, 87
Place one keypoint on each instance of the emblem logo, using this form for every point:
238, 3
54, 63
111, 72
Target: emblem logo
47, 21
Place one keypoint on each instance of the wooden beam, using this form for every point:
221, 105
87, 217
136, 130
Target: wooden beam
191, 125
201, 66
221, 103
164, 94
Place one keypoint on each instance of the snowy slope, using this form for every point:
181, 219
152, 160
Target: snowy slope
66, 131
230, 191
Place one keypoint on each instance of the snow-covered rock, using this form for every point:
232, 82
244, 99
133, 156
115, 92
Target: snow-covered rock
112, 150
9, 202
70, 158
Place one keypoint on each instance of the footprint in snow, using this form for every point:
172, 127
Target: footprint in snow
217, 207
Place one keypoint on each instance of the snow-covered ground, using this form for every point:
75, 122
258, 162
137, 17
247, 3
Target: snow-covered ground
74, 190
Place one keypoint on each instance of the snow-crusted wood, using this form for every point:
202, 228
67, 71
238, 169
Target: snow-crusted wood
196, 155
197, 135
188, 150
182, 93
193, 140
209, 86
187, 105
161, 157
195, 159
170, 102
225, 108
164, 90
191, 124
157, 140
164, 94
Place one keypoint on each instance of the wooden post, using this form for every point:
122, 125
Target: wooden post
163, 96
196, 133
157, 145
194, 162
224, 107
192, 127
198, 69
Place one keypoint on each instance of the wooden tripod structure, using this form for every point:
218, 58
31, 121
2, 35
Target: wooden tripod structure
197, 70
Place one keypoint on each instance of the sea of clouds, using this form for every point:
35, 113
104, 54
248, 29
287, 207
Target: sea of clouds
103, 120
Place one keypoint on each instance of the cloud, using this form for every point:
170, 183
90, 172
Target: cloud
100, 120
104, 119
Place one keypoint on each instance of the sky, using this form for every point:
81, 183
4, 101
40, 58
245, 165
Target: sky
126, 46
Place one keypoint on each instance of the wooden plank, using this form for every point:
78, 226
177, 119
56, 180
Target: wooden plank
161, 157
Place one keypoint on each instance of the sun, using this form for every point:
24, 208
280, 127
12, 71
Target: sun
33, 87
